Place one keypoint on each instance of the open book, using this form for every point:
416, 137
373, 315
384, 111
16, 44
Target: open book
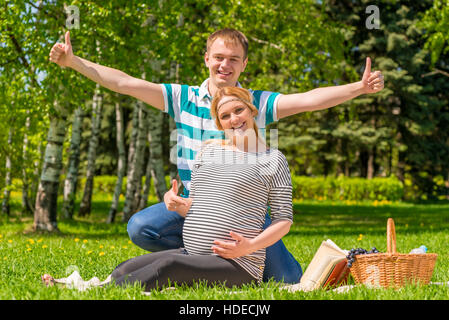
328, 268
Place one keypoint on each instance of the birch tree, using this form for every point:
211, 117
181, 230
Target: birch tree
8, 178
45, 214
135, 170
71, 181
121, 165
26, 205
97, 103
156, 161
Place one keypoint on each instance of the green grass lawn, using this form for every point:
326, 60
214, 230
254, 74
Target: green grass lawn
95, 248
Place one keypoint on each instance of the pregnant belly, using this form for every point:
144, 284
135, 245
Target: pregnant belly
198, 236
200, 231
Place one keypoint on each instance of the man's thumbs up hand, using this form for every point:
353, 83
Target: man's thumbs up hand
372, 81
61, 53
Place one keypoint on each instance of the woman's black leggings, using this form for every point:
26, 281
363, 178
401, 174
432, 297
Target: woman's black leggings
159, 269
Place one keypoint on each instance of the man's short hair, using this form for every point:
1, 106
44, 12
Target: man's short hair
229, 35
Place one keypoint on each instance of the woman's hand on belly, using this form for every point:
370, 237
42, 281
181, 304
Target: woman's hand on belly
243, 246
230, 249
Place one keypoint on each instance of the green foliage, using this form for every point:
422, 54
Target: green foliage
347, 188
436, 27
294, 46
314, 188
401, 127
106, 185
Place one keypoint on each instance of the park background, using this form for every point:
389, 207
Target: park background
73, 152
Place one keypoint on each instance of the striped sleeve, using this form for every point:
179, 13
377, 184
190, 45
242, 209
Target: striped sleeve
172, 94
266, 103
280, 193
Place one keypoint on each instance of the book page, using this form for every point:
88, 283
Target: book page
320, 274
329, 268
330, 242
325, 259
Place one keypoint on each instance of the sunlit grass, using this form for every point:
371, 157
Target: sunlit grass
94, 248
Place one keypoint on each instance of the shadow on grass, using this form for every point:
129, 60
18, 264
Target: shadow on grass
342, 219
92, 226
311, 218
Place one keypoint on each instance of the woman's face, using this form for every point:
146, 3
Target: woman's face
235, 117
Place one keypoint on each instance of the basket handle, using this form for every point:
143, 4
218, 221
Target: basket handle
391, 236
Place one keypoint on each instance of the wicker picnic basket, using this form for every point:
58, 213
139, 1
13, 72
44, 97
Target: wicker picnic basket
391, 269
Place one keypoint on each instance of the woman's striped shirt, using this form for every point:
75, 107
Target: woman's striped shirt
231, 191
189, 106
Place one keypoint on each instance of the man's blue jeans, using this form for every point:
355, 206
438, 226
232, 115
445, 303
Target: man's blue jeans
156, 229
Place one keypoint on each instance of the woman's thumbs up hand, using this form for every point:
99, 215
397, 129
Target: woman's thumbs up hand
173, 202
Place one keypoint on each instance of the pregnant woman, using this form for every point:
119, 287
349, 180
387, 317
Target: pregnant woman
234, 182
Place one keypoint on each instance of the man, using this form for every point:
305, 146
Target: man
159, 227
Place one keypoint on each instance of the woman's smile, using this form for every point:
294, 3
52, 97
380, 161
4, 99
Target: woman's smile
240, 129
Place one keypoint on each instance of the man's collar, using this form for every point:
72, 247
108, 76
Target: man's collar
203, 92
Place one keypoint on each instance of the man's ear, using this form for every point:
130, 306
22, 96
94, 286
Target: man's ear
245, 62
206, 59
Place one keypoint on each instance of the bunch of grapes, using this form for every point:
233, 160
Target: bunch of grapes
354, 252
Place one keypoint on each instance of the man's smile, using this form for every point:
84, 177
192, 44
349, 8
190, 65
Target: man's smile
224, 73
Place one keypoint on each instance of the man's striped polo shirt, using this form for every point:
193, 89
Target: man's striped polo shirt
190, 107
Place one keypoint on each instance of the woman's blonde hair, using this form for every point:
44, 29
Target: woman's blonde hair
240, 94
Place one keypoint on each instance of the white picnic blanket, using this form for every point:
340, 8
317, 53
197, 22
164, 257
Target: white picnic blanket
74, 281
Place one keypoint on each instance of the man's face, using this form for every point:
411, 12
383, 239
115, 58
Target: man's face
225, 63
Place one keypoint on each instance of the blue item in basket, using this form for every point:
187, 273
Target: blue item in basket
422, 249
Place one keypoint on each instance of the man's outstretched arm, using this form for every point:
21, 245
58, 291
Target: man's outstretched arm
113, 79
327, 97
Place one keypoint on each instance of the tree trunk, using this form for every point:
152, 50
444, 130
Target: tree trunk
97, 102
47, 194
8, 180
146, 187
347, 163
133, 137
363, 161
370, 164
121, 166
156, 158
27, 207
36, 173
131, 155
134, 179
141, 147
71, 181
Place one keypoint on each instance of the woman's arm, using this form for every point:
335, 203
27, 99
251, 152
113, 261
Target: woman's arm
243, 246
